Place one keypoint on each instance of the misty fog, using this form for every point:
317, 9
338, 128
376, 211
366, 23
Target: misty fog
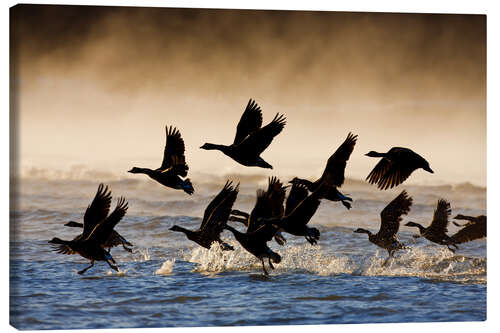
96, 86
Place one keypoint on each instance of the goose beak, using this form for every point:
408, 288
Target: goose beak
428, 169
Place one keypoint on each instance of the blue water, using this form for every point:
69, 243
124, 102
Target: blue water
170, 281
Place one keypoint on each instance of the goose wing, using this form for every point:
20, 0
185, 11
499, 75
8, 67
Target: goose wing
395, 168
97, 210
470, 232
391, 215
259, 140
116, 239
335, 167
297, 193
103, 230
266, 230
276, 193
262, 209
250, 121
303, 210
173, 154
440, 220
63, 249
218, 211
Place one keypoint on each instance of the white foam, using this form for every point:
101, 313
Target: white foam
425, 261
166, 268
119, 273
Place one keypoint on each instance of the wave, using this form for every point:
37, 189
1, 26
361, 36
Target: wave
83, 173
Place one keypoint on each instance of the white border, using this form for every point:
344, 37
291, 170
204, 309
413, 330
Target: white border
421, 6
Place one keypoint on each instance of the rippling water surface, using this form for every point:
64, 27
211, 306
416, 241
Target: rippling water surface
170, 281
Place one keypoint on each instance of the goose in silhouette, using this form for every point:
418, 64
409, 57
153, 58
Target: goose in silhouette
269, 204
114, 239
390, 218
251, 139
395, 167
333, 175
173, 166
300, 207
214, 219
436, 232
97, 228
255, 242
474, 229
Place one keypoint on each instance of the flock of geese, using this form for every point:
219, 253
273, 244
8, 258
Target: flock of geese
272, 215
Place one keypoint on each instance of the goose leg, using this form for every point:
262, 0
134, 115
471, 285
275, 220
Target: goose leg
237, 219
264, 267
239, 213
127, 248
280, 239
346, 204
226, 247
387, 260
270, 263
310, 240
112, 266
85, 269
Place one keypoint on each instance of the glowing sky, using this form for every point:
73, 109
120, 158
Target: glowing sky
97, 85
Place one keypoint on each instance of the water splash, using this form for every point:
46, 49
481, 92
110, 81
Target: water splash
166, 268
143, 254
119, 273
426, 262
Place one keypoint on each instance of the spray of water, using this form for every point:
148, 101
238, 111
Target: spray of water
166, 268
425, 261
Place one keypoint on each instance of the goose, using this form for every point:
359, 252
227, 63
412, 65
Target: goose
395, 167
300, 207
269, 204
114, 239
390, 218
173, 166
333, 175
214, 219
97, 228
251, 139
474, 229
436, 232
255, 242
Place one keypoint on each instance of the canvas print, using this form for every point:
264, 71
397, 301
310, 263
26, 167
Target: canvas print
179, 167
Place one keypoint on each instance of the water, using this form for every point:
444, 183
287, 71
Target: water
170, 281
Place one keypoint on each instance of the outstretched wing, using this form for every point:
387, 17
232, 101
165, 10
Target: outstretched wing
333, 174
298, 193
63, 249
390, 172
379, 171
262, 209
250, 121
104, 229
259, 140
391, 215
266, 230
173, 154
97, 210
218, 211
276, 193
472, 231
304, 211
440, 221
